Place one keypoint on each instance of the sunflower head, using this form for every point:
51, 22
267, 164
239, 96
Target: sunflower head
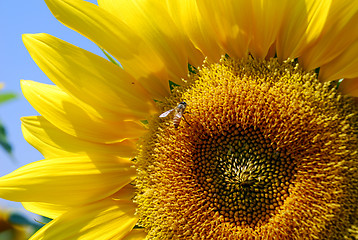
10, 230
248, 136
265, 147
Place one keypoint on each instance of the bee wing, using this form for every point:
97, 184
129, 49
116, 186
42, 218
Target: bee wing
164, 114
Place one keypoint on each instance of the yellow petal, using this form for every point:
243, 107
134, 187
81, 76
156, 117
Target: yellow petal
135, 55
74, 118
46, 209
303, 25
55, 210
125, 193
67, 181
52, 142
349, 87
107, 219
93, 80
152, 20
264, 24
231, 30
136, 234
340, 31
186, 15
343, 66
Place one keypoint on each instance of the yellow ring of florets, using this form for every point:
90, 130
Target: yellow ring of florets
266, 150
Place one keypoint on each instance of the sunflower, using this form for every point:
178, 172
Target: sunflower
256, 139
9, 230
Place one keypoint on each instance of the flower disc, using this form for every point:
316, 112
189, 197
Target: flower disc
261, 153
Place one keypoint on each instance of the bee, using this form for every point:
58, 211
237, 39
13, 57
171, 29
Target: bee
178, 113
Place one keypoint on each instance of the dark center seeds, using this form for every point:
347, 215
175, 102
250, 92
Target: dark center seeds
242, 176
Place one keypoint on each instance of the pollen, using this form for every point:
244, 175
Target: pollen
263, 150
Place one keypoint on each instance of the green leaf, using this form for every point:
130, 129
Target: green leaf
339, 82
3, 140
145, 122
317, 71
17, 218
4, 97
172, 85
192, 69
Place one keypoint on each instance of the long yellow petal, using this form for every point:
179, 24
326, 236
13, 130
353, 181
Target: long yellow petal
67, 181
349, 87
108, 219
53, 211
46, 209
340, 31
76, 118
109, 32
343, 66
103, 85
264, 24
303, 25
52, 142
186, 15
231, 31
152, 20
136, 234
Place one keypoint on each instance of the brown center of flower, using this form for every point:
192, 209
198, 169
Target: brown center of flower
241, 175
259, 154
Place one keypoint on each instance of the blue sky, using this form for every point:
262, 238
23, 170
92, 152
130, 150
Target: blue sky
16, 18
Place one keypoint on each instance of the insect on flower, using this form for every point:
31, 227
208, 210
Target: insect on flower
178, 113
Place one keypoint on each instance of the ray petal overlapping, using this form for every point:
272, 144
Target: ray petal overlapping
90, 121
